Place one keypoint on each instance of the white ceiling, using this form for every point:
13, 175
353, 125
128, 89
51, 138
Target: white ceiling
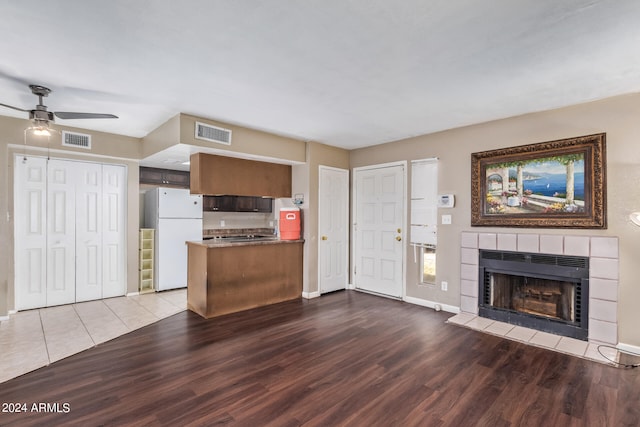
345, 73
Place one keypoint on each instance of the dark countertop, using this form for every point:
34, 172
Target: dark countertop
213, 232
222, 243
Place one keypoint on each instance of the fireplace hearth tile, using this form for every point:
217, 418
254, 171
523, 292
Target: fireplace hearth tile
603, 331
461, 318
469, 240
487, 241
507, 242
572, 346
469, 288
604, 247
469, 304
545, 339
528, 243
469, 256
610, 354
479, 323
499, 328
537, 338
469, 272
521, 334
551, 244
603, 268
603, 289
603, 310
576, 245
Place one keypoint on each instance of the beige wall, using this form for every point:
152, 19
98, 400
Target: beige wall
618, 117
244, 141
106, 148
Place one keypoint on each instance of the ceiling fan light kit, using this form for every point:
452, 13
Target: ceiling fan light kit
41, 117
41, 131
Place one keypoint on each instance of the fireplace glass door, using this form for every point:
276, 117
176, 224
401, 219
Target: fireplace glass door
552, 299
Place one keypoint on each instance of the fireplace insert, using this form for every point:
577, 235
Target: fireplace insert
546, 292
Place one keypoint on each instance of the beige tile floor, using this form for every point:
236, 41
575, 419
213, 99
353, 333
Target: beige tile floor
35, 338
565, 345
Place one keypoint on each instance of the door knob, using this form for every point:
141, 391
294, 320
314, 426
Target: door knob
398, 238
324, 237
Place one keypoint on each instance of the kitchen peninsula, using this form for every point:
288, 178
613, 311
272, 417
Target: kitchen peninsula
225, 275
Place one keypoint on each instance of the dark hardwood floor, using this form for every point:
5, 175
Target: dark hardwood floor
346, 358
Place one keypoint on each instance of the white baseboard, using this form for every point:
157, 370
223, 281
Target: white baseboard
310, 295
351, 286
132, 294
9, 314
628, 348
426, 303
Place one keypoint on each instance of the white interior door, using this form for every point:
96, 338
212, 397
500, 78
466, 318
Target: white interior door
30, 196
89, 232
114, 187
379, 212
61, 236
333, 228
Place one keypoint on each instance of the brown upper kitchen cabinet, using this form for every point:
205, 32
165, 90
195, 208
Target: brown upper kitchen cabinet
164, 177
236, 204
253, 204
219, 203
211, 174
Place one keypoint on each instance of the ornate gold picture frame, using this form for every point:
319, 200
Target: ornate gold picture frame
555, 184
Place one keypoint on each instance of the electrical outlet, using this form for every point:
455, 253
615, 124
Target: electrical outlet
444, 286
446, 219
222, 223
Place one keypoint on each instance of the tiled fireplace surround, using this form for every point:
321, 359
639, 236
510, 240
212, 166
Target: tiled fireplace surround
603, 272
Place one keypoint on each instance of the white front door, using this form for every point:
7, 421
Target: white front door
333, 229
379, 211
30, 197
61, 236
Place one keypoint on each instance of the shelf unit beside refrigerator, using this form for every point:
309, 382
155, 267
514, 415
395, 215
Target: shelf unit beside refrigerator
145, 254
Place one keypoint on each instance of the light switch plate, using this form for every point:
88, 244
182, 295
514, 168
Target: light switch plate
446, 219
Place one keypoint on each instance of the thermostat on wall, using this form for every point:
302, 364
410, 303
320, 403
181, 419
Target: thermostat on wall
446, 200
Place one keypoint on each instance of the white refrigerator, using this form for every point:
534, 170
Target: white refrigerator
176, 216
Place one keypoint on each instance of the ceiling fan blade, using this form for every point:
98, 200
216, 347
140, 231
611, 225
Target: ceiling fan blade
15, 108
66, 115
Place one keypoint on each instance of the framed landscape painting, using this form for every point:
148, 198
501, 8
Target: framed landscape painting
555, 184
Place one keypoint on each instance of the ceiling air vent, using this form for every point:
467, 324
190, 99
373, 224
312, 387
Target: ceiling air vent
213, 133
72, 139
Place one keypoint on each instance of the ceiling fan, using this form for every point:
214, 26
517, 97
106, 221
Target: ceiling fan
41, 117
